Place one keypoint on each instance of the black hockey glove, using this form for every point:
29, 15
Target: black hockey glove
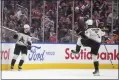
29, 45
15, 36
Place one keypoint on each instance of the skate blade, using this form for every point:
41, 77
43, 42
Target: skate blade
11, 69
19, 69
96, 74
74, 53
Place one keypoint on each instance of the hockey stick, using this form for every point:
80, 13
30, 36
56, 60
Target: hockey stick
16, 31
108, 55
8, 29
71, 32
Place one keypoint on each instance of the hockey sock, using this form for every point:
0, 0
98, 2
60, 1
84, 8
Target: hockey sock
13, 62
21, 62
78, 48
96, 65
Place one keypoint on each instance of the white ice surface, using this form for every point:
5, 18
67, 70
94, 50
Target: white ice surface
60, 74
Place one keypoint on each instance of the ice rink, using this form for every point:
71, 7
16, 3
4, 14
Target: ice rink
60, 74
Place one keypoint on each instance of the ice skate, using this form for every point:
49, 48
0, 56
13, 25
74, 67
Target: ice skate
74, 52
96, 73
19, 68
12, 68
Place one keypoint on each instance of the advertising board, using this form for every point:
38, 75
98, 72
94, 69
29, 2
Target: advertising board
60, 56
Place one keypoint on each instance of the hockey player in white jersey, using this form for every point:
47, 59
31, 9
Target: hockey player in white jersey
22, 45
90, 38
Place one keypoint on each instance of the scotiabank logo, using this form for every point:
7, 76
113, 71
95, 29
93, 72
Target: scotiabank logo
5, 54
86, 55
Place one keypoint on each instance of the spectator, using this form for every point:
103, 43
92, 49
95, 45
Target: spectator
53, 38
17, 13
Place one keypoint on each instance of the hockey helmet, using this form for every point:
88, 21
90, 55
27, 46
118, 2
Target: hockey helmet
26, 26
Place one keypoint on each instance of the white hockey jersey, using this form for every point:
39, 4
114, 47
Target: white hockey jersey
23, 39
95, 34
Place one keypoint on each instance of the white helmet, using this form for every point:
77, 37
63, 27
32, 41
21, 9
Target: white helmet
89, 22
26, 26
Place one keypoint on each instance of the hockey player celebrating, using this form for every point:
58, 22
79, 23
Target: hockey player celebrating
22, 45
90, 38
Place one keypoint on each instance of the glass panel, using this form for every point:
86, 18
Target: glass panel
102, 16
60, 17
36, 19
50, 21
115, 22
15, 15
65, 21
82, 12
106, 21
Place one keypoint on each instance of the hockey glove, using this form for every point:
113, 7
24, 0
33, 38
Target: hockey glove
15, 36
29, 45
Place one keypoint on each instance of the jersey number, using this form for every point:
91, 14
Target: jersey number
21, 39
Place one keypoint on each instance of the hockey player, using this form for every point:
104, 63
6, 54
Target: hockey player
22, 45
90, 38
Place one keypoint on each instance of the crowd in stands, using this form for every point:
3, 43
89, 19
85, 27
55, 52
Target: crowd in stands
52, 24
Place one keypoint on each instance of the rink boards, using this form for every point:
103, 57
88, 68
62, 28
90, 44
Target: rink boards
58, 56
